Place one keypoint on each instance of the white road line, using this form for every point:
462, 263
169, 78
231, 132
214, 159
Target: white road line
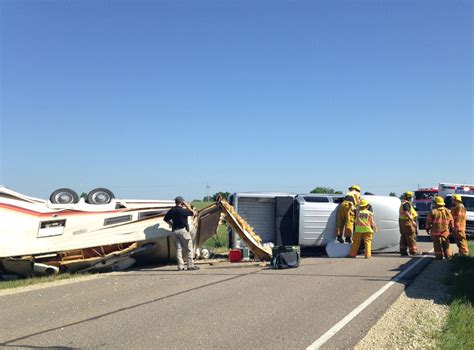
338, 326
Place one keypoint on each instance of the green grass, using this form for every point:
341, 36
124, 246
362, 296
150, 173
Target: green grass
219, 242
461, 277
200, 205
34, 280
458, 332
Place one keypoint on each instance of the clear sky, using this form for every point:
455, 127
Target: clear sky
158, 98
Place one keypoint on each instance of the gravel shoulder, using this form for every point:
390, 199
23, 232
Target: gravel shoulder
417, 316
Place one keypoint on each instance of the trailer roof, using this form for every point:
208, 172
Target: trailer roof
264, 194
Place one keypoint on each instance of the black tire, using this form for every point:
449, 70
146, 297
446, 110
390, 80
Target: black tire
100, 196
64, 196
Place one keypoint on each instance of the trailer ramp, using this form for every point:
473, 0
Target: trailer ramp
243, 229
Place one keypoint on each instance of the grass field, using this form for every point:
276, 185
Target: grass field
34, 280
458, 332
219, 242
200, 205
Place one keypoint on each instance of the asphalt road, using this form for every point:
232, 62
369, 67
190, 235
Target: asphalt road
220, 306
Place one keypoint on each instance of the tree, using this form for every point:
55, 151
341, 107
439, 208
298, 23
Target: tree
393, 194
214, 196
326, 190
222, 194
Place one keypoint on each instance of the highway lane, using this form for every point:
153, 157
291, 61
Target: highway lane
218, 306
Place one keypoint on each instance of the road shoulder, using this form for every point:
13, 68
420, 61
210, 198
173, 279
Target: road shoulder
415, 318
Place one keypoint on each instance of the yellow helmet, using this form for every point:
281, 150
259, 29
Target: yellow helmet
364, 203
409, 194
355, 187
439, 201
457, 197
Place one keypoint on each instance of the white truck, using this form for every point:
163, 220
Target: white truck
309, 220
446, 190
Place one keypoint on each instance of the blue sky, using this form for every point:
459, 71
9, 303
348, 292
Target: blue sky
157, 98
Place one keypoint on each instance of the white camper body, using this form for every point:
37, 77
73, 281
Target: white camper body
446, 190
310, 219
32, 226
80, 236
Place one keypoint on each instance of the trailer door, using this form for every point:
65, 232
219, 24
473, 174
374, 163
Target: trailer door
260, 214
286, 232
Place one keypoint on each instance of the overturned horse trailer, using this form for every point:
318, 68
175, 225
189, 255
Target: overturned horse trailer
309, 220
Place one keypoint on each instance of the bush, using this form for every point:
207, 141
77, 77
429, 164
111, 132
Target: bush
461, 279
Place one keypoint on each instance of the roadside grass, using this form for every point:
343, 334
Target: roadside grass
219, 242
459, 328
458, 332
23, 282
200, 205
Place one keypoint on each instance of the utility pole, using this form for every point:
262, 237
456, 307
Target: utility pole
208, 187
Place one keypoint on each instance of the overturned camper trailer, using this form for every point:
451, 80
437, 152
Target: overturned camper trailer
70, 234
310, 220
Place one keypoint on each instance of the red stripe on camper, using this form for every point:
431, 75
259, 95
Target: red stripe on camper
51, 213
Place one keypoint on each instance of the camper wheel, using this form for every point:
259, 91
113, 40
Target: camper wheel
100, 196
64, 196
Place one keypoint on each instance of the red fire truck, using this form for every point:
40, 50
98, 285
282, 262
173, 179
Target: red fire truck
423, 203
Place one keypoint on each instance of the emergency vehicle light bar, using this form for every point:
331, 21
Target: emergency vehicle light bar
461, 187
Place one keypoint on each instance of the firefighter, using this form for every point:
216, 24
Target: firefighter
364, 230
407, 223
346, 214
438, 224
458, 211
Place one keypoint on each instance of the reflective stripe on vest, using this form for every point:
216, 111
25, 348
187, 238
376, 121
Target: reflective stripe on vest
413, 212
363, 219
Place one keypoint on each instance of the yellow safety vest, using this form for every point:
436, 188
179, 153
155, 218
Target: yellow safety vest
364, 220
413, 212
